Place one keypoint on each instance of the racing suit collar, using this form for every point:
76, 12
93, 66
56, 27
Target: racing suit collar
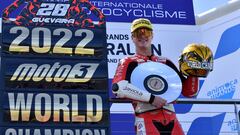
144, 57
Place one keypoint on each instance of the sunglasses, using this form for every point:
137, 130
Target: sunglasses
138, 33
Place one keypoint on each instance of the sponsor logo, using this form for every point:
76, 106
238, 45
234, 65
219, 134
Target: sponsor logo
223, 90
233, 124
140, 126
128, 49
200, 65
135, 92
80, 72
137, 9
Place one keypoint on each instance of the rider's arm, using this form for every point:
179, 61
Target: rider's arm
122, 87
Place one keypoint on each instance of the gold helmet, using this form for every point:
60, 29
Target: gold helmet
196, 60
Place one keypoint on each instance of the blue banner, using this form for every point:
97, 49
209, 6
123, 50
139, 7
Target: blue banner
38, 73
55, 108
158, 11
53, 131
57, 41
54, 73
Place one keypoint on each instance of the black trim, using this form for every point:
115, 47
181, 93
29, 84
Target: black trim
153, 111
115, 87
150, 57
151, 99
170, 64
130, 68
163, 128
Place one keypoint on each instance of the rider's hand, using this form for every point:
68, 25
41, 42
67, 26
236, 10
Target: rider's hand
159, 102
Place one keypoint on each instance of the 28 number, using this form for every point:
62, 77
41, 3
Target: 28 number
51, 9
45, 48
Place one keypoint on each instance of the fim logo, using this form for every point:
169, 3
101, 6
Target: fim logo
80, 72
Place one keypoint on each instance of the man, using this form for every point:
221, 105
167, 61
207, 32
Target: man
153, 115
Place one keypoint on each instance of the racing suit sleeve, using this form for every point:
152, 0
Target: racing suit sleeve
189, 83
122, 87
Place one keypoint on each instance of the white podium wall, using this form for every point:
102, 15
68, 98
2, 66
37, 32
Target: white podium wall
222, 83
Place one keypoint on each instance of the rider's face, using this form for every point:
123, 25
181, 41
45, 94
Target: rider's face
142, 37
